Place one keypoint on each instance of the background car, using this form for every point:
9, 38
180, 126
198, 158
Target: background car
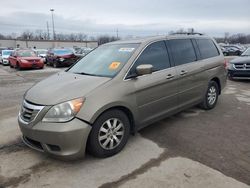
21, 59
4, 59
232, 50
41, 53
1, 49
240, 66
61, 57
81, 52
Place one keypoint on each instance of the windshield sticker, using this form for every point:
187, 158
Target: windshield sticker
126, 49
114, 65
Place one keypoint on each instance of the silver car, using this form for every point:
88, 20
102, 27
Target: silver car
117, 89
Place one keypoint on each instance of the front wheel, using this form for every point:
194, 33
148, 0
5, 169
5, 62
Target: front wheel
211, 97
230, 77
109, 134
18, 67
55, 64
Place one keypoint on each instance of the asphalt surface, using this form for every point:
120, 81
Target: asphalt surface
202, 145
219, 138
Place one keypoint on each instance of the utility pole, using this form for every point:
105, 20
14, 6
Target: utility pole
53, 25
48, 30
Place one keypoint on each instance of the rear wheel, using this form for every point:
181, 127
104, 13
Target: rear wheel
109, 134
211, 97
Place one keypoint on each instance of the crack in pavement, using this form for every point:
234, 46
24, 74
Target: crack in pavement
13, 146
17, 180
141, 170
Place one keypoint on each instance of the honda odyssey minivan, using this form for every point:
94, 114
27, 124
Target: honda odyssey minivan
119, 88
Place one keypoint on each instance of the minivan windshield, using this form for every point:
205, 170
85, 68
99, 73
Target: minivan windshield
106, 60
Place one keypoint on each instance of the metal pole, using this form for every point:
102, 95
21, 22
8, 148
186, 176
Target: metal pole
53, 25
117, 35
48, 30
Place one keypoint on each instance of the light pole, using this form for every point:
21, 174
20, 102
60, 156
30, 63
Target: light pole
53, 26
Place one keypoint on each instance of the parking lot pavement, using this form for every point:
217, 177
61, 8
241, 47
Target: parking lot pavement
219, 138
194, 148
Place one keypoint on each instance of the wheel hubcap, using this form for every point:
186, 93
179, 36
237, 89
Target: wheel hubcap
212, 95
111, 133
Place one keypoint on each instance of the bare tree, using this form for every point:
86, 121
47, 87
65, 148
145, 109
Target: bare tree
105, 39
27, 35
234, 39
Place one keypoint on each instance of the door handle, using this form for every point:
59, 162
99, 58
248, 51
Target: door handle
183, 72
169, 76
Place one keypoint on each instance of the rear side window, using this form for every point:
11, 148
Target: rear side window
207, 48
182, 51
155, 54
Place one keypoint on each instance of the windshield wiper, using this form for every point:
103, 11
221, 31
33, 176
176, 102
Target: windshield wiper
84, 73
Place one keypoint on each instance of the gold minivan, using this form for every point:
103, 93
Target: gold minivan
119, 88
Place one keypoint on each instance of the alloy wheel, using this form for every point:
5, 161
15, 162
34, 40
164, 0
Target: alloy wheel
212, 95
111, 133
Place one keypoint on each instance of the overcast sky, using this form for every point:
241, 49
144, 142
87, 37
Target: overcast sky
131, 17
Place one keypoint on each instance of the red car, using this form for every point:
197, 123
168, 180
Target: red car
25, 59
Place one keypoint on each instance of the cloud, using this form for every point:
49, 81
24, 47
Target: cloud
143, 17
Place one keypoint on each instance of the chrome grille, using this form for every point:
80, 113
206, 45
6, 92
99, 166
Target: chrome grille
242, 66
29, 111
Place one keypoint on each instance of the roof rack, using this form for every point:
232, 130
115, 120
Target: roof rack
186, 33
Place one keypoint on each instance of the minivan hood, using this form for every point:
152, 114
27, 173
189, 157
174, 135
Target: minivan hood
243, 59
62, 87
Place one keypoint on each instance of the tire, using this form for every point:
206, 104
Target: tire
211, 96
55, 65
100, 141
49, 63
230, 77
18, 66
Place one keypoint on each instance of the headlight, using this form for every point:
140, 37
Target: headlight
61, 59
230, 66
63, 112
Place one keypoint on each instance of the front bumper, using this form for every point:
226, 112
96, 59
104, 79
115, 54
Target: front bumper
5, 62
239, 73
64, 140
31, 65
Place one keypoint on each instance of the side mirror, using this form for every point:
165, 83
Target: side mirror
144, 69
